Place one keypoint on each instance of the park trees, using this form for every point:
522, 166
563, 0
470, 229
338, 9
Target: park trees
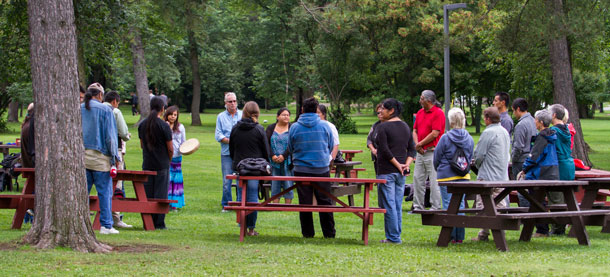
62, 214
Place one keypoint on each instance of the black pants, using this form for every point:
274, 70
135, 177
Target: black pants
306, 193
156, 187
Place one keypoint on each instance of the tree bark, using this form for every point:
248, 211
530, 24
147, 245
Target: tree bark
139, 71
13, 111
563, 85
62, 212
194, 57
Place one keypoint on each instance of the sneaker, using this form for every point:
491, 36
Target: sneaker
480, 238
106, 231
224, 211
30, 212
122, 224
389, 241
540, 235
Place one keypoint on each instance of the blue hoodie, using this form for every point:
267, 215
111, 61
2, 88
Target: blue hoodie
311, 142
445, 150
542, 164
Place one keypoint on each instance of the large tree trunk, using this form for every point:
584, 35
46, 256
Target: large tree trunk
80, 52
194, 57
139, 71
563, 85
62, 210
13, 111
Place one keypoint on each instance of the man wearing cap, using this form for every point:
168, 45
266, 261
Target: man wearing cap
428, 128
224, 123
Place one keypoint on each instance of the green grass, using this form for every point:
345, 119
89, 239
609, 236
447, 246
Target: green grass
203, 241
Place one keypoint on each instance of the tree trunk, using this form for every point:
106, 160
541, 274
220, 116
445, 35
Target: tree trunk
563, 85
62, 209
194, 57
13, 111
139, 71
478, 111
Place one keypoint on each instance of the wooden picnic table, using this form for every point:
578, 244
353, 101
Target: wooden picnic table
511, 218
349, 154
244, 208
348, 189
602, 194
5, 148
591, 195
141, 204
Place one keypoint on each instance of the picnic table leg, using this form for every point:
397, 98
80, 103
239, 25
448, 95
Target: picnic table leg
606, 228
365, 228
96, 222
577, 222
445, 236
350, 197
586, 204
489, 208
242, 225
19, 214
528, 225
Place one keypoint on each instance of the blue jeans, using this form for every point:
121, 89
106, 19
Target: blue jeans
457, 233
251, 196
227, 168
390, 198
103, 185
279, 186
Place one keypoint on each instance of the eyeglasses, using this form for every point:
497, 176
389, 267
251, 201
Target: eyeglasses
231, 101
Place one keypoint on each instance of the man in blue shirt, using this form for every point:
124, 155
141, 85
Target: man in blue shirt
311, 142
224, 123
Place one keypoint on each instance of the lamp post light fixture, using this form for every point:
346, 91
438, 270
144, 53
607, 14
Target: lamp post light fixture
446, 9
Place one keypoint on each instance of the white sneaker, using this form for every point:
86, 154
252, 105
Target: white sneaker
106, 231
122, 224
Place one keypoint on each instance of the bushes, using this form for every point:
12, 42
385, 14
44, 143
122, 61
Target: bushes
344, 124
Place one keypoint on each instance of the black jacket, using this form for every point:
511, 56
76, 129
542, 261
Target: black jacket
248, 140
269, 132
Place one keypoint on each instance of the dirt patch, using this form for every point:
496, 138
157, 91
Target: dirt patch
6, 246
140, 248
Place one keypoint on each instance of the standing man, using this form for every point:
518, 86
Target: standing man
134, 103
311, 142
491, 157
501, 101
224, 123
100, 139
523, 133
428, 128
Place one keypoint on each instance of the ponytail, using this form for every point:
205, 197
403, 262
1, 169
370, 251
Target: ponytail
89, 95
156, 106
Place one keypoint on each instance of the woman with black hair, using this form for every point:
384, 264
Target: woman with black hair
395, 152
176, 180
277, 136
157, 151
100, 140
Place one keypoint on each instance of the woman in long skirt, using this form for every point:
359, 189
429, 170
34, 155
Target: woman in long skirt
176, 185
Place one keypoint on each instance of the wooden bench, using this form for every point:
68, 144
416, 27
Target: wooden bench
141, 204
365, 212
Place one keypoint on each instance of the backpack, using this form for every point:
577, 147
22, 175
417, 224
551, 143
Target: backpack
459, 163
253, 167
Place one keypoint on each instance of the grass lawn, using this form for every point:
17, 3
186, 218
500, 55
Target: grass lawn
201, 240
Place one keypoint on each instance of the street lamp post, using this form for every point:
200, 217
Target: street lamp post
446, 9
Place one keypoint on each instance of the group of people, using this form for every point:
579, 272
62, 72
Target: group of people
307, 147
303, 148
105, 134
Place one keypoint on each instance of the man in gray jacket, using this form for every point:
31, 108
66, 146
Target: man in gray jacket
491, 157
523, 134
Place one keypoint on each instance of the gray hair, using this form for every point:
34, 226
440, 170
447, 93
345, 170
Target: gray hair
566, 117
429, 95
558, 110
544, 116
230, 94
457, 119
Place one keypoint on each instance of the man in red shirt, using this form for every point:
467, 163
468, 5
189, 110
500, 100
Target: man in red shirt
428, 128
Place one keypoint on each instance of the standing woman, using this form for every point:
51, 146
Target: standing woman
248, 140
278, 138
369, 139
157, 150
395, 152
446, 148
176, 186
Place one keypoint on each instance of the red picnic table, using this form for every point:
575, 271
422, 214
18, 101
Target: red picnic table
141, 204
349, 154
244, 208
602, 194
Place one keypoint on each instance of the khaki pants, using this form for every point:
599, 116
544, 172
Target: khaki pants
424, 169
479, 205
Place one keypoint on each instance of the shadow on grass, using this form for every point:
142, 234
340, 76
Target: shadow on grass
285, 240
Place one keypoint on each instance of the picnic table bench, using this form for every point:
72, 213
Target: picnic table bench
141, 204
499, 220
591, 194
244, 208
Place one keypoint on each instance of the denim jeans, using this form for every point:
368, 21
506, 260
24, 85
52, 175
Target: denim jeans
251, 196
457, 233
390, 198
227, 168
103, 185
279, 186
